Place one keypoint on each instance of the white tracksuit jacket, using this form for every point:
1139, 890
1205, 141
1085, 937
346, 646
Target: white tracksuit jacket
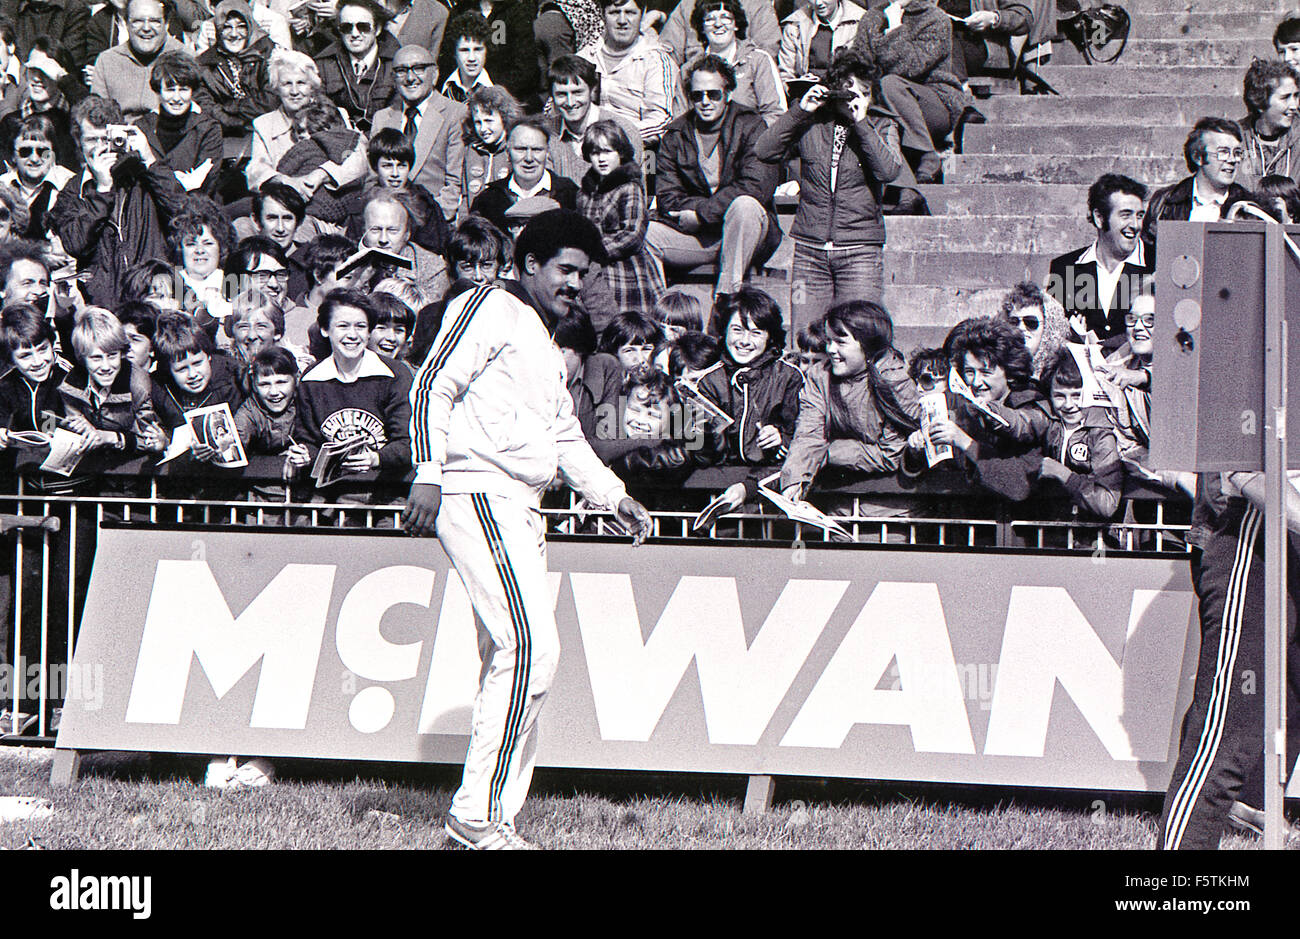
490, 409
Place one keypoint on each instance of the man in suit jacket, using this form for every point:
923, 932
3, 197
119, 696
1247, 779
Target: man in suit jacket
1096, 284
417, 22
436, 121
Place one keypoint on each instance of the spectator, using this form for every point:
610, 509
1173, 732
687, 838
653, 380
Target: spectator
313, 26
526, 147
33, 372
1129, 369
200, 239
236, 70
14, 217
122, 72
911, 42
490, 112
1283, 194
35, 179
810, 347
812, 34
714, 191
321, 136
394, 323
857, 413
1269, 131
978, 24
1213, 153
152, 281
256, 323
356, 393
266, 419
469, 35
294, 78
989, 355
575, 94
684, 42
632, 338
180, 134
1097, 283
279, 213
431, 121
666, 441
113, 216
1286, 40
417, 23
757, 388
258, 263
563, 27
613, 198
139, 320
595, 382
678, 311
1042, 324
848, 152
357, 71
692, 354
108, 27
721, 26
191, 374
478, 252
638, 79
105, 398
387, 226
24, 274
512, 56
320, 260
63, 21
1089, 467
46, 91
391, 154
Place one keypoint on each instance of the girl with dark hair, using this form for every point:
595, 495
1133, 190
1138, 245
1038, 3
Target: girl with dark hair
751, 381
613, 197
857, 412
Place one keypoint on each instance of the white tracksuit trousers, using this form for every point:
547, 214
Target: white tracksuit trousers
498, 547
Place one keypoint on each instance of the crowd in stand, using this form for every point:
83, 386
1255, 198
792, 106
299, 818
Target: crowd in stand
267, 206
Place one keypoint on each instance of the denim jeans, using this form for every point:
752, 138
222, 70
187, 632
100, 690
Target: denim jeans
821, 278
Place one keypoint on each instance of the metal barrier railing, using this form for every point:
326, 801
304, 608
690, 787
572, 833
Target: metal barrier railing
54, 536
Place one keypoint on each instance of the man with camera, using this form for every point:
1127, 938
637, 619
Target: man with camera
114, 215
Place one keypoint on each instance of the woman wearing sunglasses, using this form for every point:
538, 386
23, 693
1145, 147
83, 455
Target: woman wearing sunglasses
1041, 321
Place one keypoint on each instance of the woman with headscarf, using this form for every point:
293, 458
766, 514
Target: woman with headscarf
1041, 321
236, 69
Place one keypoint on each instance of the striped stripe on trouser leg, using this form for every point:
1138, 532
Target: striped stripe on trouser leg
1224, 729
497, 545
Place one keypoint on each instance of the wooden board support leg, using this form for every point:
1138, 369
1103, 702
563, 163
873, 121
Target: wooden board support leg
66, 768
758, 795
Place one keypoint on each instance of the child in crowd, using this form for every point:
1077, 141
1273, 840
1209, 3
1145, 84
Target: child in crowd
632, 338
464, 54
153, 280
613, 197
191, 374
105, 398
490, 112
357, 393
29, 388
139, 319
665, 440
692, 354
595, 382
676, 311
391, 156
1079, 450
394, 322
479, 252
255, 324
266, 419
810, 346
751, 382
321, 137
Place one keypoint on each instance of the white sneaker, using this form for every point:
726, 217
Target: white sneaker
499, 837
220, 771
259, 771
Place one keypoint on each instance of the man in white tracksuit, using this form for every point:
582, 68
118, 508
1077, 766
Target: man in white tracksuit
491, 424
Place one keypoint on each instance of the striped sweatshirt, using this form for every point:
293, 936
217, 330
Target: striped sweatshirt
642, 86
490, 408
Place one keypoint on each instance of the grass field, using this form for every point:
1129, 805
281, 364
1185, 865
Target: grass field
134, 801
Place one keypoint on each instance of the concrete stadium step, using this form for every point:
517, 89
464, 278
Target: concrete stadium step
1236, 23
983, 199
1083, 139
1236, 53
1267, 8
1126, 79
1079, 170
1118, 110
991, 233
939, 267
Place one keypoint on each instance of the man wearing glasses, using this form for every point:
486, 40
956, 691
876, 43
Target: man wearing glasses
357, 71
430, 119
1213, 153
122, 72
714, 193
1097, 284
